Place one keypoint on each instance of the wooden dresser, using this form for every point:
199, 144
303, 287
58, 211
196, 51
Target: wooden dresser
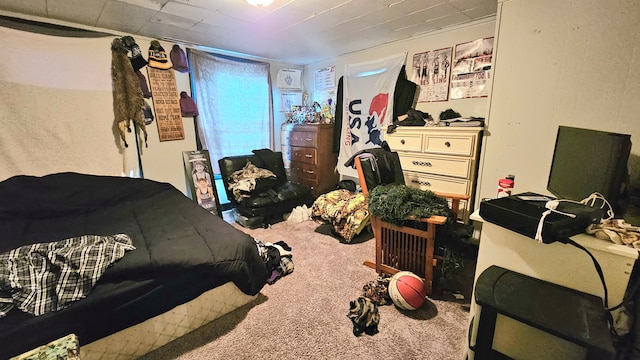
308, 154
441, 159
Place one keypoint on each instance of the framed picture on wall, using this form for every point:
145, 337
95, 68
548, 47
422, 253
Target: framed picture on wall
471, 69
200, 181
431, 71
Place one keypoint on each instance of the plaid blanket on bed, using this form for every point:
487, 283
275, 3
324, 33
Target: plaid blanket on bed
45, 277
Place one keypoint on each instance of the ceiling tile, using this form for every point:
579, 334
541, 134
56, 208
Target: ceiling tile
246, 12
173, 20
422, 16
147, 4
464, 5
34, 8
186, 11
411, 6
124, 17
79, 11
481, 12
160, 30
315, 6
208, 4
279, 20
449, 20
349, 27
357, 8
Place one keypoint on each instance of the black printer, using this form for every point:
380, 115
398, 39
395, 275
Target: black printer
522, 213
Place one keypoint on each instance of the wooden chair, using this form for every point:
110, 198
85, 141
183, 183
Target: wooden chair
401, 248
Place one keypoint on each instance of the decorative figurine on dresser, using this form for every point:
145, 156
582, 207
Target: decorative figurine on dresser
308, 155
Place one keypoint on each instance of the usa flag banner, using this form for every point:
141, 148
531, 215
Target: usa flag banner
367, 106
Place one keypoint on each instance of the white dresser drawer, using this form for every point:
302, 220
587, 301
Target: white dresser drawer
436, 183
463, 144
404, 142
449, 166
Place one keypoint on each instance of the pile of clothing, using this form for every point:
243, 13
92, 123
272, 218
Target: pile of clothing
277, 257
346, 211
250, 178
363, 311
617, 231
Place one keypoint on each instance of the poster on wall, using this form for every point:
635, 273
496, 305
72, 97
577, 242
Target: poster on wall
324, 91
324, 79
289, 79
289, 100
200, 181
431, 70
166, 103
471, 71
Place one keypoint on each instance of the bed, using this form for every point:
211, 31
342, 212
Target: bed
184, 259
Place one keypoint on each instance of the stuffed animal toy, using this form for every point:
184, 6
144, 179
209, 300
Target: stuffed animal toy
127, 95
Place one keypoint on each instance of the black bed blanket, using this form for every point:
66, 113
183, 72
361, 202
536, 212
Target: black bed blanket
181, 250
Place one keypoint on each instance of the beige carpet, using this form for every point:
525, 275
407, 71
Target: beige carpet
304, 314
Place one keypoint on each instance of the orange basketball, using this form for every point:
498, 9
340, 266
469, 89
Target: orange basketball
407, 290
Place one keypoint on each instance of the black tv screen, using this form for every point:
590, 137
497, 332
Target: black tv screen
590, 161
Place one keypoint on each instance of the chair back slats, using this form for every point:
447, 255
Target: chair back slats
401, 248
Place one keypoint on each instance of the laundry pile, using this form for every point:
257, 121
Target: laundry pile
277, 257
618, 231
363, 311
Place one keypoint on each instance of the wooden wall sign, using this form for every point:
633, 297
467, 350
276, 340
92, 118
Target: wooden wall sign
166, 104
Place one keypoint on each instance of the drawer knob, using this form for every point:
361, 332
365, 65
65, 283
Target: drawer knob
422, 163
309, 171
402, 141
309, 155
424, 183
447, 144
309, 139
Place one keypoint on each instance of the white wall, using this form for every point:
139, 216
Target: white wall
55, 106
70, 122
438, 40
559, 62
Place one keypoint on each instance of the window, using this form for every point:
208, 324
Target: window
234, 102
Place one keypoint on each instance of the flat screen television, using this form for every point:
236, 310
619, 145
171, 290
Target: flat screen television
586, 161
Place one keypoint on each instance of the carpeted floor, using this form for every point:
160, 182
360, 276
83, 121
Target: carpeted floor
304, 314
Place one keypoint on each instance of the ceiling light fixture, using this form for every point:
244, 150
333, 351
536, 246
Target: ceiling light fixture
260, 3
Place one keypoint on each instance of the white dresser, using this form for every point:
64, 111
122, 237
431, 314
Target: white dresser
441, 159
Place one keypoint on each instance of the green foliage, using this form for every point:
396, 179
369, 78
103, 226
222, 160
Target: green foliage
395, 203
452, 261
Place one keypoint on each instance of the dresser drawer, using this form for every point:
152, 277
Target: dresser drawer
307, 155
303, 138
451, 166
302, 170
436, 183
404, 142
450, 144
312, 183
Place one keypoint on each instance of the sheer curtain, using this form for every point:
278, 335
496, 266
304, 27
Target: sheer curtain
234, 102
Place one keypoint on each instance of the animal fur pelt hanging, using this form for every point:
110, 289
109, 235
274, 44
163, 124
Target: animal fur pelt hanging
128, 101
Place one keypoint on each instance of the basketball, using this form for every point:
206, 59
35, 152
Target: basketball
407, 291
